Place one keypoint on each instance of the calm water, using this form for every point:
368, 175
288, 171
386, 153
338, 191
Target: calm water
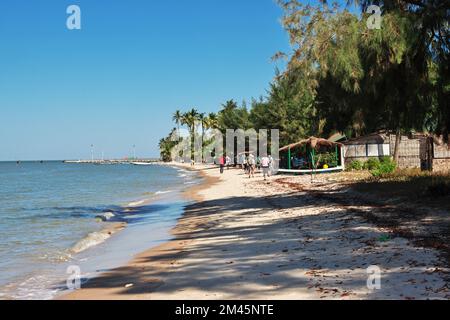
48, 219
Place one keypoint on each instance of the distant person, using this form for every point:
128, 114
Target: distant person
265, 165
258, 163
245, 164
243, 161
222, 161
228, 162
271, 162
251, 166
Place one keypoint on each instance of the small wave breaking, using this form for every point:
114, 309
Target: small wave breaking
136, 203
163, 192
92, 239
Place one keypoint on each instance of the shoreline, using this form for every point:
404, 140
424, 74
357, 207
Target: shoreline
191, 194
249, 239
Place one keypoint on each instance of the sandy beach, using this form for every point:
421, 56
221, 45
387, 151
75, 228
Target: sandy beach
251, 239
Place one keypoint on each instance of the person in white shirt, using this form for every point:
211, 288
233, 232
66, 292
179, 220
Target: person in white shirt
270, 165
228, 162
265, 165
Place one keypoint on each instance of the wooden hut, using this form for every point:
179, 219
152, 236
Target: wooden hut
417, 150
312, 155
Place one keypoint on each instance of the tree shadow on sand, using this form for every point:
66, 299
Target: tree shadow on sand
298, 243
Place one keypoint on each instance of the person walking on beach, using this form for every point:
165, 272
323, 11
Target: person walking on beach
265, 165
245, 164
270, 165
222, 163
251, 163
242, 161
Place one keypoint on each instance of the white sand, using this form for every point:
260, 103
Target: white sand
258, 240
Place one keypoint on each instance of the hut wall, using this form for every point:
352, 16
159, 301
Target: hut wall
441, 158
365, 147
441, 152
409, 153
412, 153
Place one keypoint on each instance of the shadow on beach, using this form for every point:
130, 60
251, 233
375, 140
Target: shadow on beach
325, 252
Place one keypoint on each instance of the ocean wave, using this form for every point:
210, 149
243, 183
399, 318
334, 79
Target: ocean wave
36, 287
56, 257
106, 216
136, 203
191, 182
163, 192
91, 240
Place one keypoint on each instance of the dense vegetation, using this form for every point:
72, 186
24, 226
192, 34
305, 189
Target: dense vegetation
342, 76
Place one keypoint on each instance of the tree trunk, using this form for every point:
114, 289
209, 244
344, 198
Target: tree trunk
398, 139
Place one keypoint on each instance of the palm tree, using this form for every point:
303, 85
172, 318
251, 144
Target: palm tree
190, 118
177, 117
204, 121
166, 146
185, 120
213, 121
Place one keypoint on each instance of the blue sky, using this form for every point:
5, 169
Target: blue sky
117, 81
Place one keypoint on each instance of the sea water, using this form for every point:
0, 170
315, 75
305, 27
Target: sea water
53, 214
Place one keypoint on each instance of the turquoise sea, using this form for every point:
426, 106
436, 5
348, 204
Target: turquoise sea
52, 216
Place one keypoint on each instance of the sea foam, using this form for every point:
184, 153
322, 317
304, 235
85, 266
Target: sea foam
163, 192
136, 203
91, 240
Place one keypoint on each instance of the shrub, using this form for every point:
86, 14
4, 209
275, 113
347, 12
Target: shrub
387, 166
355, 165
372, 164
385, 159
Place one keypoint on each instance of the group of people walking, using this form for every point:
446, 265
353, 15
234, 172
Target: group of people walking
250, 164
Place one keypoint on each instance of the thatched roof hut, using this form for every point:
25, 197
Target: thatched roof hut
313, 143
311, 150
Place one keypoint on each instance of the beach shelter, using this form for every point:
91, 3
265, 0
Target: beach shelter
312, 155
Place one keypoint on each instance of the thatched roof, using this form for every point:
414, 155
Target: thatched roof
313, 142
246, 152
337, 137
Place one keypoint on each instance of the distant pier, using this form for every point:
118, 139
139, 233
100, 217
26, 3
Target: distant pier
115, 161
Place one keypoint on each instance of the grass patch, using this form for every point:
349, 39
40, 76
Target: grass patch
412, 185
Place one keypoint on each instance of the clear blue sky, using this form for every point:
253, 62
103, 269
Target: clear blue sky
117, 81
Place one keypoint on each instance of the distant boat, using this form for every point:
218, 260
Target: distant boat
141, 163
